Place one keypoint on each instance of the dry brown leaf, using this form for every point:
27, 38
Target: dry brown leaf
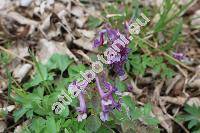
16, 25
5, 4
86, 33
182, 100
8, 108
195, 20
178, 88
81, 21
21, 71
48, 48
3, 85
25, 3
195, 83
175, 100
58, 7
85, 43
20, 49
77, 11
195, 80
3, 126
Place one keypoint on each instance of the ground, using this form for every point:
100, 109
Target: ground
151, 85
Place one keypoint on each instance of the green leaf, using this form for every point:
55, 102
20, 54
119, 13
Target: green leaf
20, 112
41, 75
192, 123
67, 123
120, 114
75, 70
175, 36
58, 61
65, 112
93, 22
50, 125
167, 72
193, 110
160, 25
146, 109
66, 131
151, 121
93, 123
120, 85
105, 130
29, 114
37, 125
136, 62
39, 91
128, 101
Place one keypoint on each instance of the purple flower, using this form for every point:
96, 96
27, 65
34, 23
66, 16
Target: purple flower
116, 60
126, 26
76, 89
107, 100
101, 92
105, 112
112, 34
100, 41
104, 102
82, 109
178, 56
130, 87
118, 66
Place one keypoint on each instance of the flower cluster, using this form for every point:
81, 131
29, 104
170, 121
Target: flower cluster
107, 101
116, 55
117, 51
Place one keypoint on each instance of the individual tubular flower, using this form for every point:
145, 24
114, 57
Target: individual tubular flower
129, 87
105, 112
178, 56
111, 89
126, 27
107, 100
76, 89
112, 34
82, 109
100, 41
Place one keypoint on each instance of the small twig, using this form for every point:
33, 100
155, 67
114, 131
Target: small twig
80, 52
186, 80
114, 15
136, 90
174, 81
15, 55
171, 117
156, 93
